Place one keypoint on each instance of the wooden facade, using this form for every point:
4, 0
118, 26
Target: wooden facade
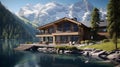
63, 31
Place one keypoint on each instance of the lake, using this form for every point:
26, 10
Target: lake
11, 58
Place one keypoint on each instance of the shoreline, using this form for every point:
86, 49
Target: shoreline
107, 57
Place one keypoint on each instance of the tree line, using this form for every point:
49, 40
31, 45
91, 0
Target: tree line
113, 21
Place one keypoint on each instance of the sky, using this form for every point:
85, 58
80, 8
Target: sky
15, 5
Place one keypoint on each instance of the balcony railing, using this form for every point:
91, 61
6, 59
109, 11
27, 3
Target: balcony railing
41, 33
59, 30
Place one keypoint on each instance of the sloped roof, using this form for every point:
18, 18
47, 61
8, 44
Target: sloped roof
60, 20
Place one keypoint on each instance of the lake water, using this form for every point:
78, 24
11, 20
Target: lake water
11, 58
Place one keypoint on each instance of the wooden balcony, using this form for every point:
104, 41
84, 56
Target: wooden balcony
57, 33
44, 35
65, 33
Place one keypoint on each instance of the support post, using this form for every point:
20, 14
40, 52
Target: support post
54, 40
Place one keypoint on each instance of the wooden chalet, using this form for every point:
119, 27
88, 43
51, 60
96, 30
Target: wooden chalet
63, 31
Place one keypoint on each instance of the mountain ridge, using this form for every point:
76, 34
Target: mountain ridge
43, 14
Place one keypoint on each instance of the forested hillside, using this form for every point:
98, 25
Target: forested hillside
11, 27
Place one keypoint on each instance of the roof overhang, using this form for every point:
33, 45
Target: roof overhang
61, 20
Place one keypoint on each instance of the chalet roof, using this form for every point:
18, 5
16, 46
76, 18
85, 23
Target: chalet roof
60, 20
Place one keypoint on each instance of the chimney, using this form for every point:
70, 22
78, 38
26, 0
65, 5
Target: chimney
74, 18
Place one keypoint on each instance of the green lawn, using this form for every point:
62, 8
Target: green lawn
108, 46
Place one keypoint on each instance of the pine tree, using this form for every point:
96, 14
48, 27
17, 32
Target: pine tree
95, 23
114, 20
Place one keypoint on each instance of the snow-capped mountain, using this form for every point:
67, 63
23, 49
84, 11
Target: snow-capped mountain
42, 14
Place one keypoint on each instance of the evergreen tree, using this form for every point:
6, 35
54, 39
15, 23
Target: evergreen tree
114, 20
95, 23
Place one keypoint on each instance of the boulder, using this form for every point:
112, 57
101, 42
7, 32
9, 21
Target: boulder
88, 49
113, 56
67, 51
95, 51
86, 53
118, 65
97, 54
104, 57
42, 49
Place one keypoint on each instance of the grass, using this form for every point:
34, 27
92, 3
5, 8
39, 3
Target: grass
108, 46
66, 47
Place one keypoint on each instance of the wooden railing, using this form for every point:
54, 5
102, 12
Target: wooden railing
59, 30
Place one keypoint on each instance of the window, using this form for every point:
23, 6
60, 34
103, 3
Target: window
75, 27
66, 26
50, 30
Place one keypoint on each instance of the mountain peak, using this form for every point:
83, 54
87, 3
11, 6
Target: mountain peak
88, 5
84, 4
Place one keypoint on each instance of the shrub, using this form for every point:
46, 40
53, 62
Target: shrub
87, 41
82, 42
66, 47
71, 48
28, 42
60, 47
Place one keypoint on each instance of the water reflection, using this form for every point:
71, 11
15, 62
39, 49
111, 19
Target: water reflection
11, 58
54, 60
28, 60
